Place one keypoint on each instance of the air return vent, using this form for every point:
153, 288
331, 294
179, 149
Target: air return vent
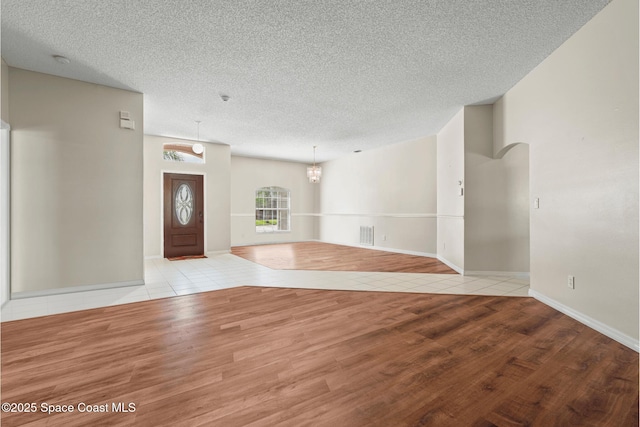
366, 235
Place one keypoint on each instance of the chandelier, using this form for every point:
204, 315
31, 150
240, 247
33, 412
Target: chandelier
314, 172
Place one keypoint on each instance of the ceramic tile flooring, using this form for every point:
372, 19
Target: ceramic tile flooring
165, 278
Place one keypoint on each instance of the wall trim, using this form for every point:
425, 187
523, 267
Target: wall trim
381, 215
604, 329
373, 215
252, 215
74, 289
451, 265
520, 274
379, 248
214, 253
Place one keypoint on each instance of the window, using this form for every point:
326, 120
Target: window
179, 152
272, 210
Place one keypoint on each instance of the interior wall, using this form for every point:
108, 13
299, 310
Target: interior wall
5, 202
249, 174
578, 110
391, 188
216, 172
451, 179
76, 184
5, 207
496, 203
4, 92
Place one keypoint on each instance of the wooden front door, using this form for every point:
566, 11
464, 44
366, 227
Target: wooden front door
183, 215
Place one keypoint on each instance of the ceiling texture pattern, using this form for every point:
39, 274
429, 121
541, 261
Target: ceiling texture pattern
344, 75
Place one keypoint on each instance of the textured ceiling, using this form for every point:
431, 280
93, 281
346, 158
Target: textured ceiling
340, 74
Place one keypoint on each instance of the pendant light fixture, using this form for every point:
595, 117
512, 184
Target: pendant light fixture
198, 148
314, 172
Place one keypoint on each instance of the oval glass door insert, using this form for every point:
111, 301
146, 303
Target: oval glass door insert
184, 204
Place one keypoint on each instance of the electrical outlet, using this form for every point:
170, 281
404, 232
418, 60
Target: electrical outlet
571, 282
384, 237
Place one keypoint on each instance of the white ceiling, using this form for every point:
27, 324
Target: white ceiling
340, 74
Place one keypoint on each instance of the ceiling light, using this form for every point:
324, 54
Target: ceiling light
61, 59
198, 148
225, 98
314, 172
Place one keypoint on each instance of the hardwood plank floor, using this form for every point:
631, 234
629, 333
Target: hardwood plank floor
326, 256
298, 357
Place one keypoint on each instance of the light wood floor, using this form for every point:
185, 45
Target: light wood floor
325, 256
298, 357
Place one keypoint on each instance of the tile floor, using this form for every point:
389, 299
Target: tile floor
165, 278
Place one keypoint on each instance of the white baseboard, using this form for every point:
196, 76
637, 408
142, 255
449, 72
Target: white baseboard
153, 257
379, 248
73, 289
214, 253
520, 274
399, 251
451, 265
607, 330
269, 242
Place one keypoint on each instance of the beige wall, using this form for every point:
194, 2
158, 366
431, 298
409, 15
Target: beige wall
216, 172
4, 90
486, 229
247, 175
76, 180
578, 110
496, 201
450, 170
391, 188
4, 186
